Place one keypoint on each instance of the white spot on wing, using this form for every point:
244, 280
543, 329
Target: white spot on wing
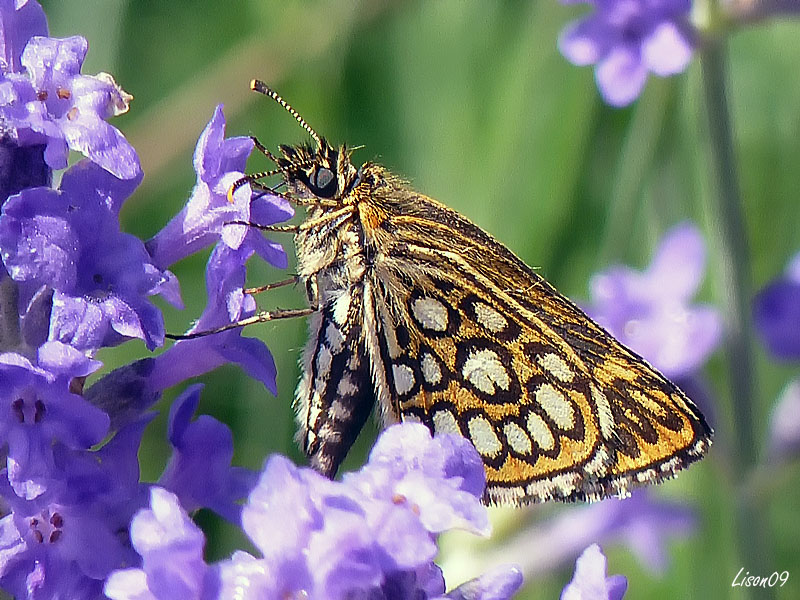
604, 416
324, 359
346, 386
484, 370
556, 406
556, 366
333, 338
339, 411
341, 309
445, 422
483, 436
430, 313
489, 317
540, 432
517, 438
430, 369
403, 378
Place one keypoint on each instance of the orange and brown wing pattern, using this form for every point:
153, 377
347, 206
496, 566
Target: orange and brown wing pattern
557, 408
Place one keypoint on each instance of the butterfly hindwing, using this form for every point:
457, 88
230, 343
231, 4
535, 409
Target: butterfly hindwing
335, 396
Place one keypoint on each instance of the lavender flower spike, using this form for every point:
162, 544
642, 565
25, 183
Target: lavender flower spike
628, 39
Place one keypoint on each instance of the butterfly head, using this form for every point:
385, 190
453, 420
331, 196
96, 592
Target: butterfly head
325, 172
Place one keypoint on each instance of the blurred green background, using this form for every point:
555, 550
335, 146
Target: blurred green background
475, 106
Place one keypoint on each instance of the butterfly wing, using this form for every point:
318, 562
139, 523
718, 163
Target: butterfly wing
335, 396
470, 340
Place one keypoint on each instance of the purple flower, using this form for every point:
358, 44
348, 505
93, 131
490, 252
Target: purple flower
323, 539
19, 21
40, 409
70, 241
52, 103
199, 470
627, 40
650, 311
498, 584
590, 581
784, 437
776, 312
207, 216
407, 464
641, 523
65, 542
171, 546
227, 303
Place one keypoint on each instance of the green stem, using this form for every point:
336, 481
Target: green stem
736, 290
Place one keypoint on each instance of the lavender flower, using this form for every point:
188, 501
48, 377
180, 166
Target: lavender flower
227, 303
66, 541
650, 311
19, 21
171, 547
53, 104
199, 470
69, 240
208, 214
776, 312
627, 40
325, 539
40, 409
590, 581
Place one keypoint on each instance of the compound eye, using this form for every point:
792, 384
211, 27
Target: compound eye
323, 183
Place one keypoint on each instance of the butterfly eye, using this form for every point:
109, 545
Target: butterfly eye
322, 183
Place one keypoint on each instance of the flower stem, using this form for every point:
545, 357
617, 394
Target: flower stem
736, 290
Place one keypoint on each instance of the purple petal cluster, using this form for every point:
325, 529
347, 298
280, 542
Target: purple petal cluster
590, 581
651, 312
363, 537
776, 312
627, 40
52, 103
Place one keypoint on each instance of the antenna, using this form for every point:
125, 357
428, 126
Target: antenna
262, 88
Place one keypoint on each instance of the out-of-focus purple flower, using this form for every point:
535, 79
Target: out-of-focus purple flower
19, 21
51, 103
64, 543
627, 40
208, 214
227, 303
776, 312
171, 546
40, 409
199, 470
650, 311
590, 581
641, 523
784, 437
498, 584
70, 241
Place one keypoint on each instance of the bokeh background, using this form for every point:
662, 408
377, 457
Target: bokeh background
472, 102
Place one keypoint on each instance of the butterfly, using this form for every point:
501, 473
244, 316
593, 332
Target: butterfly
420, 315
